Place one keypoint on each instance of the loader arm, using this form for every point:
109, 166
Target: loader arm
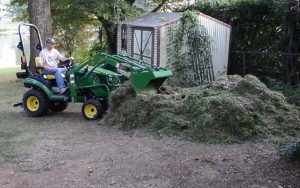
140, 75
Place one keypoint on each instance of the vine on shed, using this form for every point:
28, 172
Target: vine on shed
179, 57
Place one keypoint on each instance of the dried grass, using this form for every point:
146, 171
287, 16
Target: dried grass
230, 109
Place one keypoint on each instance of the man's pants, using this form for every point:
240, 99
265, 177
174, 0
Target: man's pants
57, 72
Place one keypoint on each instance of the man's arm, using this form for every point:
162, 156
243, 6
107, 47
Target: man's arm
60, 57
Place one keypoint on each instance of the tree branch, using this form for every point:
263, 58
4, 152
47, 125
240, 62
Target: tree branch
130, 1
102, 20
161, 4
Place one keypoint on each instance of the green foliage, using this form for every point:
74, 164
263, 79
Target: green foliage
112, 10
71, 18
256, 25
179, 59
262, 26
72, 29
97, 47
18, 9
291, 92
80, 55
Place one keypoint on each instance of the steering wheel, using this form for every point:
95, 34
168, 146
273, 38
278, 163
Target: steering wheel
66, 64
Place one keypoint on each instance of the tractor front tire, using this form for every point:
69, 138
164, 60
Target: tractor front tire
58, 106
35, 103
92, 109
104, 104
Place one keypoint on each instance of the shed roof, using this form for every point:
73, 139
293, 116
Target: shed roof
154, 19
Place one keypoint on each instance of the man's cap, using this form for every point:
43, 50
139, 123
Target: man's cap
51, 41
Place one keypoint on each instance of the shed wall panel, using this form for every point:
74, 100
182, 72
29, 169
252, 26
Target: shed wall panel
163, 46
220, 34
129, 40
155, 42
119, 39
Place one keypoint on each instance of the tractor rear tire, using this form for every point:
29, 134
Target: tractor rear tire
35, 103
58, 106
92, 109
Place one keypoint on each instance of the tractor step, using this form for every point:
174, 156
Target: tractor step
22, 74
18, 104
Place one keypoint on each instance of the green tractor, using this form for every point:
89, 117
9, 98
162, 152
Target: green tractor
90, 82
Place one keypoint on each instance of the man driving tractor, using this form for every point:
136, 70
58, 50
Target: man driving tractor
49, 59
90, 82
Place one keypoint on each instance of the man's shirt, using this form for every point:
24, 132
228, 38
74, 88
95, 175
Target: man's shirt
50, 58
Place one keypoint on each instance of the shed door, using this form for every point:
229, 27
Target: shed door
142, 45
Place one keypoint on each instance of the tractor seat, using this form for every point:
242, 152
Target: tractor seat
39, 70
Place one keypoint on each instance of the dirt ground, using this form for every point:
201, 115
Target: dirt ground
64, 150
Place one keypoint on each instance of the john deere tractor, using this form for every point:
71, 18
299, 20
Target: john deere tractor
90, 82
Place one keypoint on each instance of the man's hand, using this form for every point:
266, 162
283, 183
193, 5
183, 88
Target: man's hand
47, 67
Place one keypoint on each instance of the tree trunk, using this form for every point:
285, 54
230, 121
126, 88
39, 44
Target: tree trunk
39, 15
160, 5
290, 61
100, 37
111, 34
112, 41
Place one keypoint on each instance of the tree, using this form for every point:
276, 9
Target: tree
70, 16
268, 26
39, 15
71, 27
110, 13
291, 41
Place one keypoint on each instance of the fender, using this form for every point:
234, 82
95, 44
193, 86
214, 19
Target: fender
30, 82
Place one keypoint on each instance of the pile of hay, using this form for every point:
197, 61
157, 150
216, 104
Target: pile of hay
228, 110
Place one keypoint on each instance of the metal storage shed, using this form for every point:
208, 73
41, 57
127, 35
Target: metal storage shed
146, 37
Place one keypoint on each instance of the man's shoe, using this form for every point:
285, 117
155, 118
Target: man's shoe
63, 90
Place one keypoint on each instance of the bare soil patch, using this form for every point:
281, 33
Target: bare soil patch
64, 150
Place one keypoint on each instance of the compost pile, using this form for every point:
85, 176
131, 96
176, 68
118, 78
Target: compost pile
228, 110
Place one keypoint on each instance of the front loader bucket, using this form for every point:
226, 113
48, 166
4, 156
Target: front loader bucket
149, 79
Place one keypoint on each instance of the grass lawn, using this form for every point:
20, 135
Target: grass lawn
7, 72
14, 132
